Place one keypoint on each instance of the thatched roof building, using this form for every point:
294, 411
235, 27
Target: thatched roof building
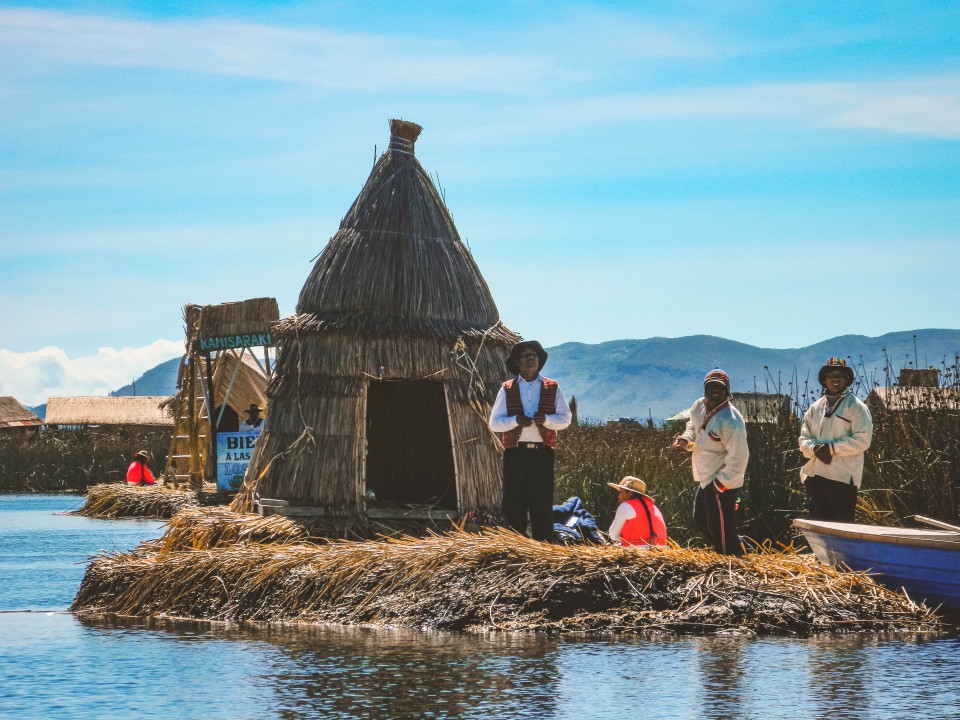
16, 418
130, 410
386, 373
898, 399
756, 407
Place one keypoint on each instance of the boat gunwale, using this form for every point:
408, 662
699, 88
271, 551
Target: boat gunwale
922, 538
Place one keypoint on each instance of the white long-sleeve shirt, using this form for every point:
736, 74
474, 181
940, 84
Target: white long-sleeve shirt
530, 397
848, 430
719, 447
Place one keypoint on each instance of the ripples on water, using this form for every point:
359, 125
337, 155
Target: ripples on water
54, 665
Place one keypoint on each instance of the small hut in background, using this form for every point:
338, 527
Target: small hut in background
131, 411
917, 391
16, 420
757, 409
220, 376
386, 373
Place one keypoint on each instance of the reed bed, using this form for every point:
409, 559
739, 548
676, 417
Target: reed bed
194, 528
497, 581
124, 501
57, 461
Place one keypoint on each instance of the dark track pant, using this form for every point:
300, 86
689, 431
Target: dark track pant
716, 515
831, 499
528, 490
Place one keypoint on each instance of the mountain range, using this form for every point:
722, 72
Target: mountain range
659, 377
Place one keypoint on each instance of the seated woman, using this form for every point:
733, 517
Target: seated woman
139, 473
638, 521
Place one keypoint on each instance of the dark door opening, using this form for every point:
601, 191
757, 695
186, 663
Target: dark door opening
409, 454
230, 422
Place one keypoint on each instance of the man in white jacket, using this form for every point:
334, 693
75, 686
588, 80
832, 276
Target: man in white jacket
837, 430
717, 437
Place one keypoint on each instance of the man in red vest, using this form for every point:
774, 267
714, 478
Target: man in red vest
528, 411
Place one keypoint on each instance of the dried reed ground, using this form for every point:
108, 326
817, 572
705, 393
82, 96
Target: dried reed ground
492, 581
141, 501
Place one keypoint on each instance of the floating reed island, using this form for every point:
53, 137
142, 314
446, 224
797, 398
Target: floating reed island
124, 501
215, 564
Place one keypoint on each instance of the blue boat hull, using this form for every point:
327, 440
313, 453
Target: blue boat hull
930, 574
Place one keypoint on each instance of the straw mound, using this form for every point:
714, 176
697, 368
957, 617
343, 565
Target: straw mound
206, 528
500, 581
142, 501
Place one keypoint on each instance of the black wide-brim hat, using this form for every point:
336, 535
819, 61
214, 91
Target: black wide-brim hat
519, 348
836, 363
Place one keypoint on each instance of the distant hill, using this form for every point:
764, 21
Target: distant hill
659, 377
160, 380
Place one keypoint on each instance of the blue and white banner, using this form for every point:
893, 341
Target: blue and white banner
234, 451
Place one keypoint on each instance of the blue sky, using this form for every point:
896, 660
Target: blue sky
773, 173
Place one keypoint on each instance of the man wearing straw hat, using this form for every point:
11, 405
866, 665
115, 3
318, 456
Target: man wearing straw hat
638, 521
837, 430
528, 412
138, 473
717, 436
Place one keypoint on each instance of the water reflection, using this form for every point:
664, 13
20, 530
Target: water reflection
332, 671
721, 665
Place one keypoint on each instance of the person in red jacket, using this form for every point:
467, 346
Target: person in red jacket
139, 473
638, 521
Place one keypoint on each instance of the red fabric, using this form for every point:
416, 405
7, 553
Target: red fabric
138, 473
636, 531
548, 406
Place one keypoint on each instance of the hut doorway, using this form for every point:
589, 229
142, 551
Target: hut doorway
409, 452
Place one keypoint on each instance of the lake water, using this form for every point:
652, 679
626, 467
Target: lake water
53, 665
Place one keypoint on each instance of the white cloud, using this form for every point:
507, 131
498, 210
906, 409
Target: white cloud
315, 57
924, 106
33, 377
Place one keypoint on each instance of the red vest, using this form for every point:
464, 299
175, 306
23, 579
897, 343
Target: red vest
636, 531
548, 406
138, 473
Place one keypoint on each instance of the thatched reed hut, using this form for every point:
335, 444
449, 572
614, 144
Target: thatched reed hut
138, 411
917, 391
756, 407
386, 373
16, 419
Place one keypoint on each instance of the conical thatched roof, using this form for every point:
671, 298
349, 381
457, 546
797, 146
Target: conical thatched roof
397, 263
395, 296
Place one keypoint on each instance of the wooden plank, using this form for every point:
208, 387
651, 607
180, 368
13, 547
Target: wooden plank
410, 514
267, 506
936, 523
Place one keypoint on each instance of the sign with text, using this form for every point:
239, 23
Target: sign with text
233, 342
234, 450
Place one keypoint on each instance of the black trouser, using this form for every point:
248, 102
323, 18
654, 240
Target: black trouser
528, 489
831, 499
716, 515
